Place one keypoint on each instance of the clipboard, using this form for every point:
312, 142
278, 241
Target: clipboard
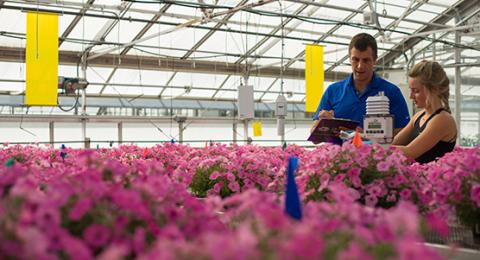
328, 130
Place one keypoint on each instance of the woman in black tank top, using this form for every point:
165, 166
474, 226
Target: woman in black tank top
432, 132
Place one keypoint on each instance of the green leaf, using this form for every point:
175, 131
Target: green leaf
10, 162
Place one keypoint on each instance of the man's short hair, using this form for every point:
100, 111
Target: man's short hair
362, 41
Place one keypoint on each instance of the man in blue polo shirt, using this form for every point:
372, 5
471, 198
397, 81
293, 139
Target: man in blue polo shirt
347, 98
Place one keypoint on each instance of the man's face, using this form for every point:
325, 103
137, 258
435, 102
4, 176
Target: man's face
362, 64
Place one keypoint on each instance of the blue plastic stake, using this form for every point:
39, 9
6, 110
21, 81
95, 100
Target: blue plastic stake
292, 198
63, 154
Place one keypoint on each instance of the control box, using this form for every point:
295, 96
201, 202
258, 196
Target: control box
379, 128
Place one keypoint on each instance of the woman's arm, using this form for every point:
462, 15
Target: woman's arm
440, 127
402, 138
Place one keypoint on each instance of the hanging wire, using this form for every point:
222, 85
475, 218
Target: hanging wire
36, 31
171, 99
159, 45
139, 67
149, 119
282, 47
118, 39
132, 106
21, 123
246, 49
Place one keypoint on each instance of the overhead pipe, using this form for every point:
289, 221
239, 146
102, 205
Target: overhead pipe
200, 27
163, 86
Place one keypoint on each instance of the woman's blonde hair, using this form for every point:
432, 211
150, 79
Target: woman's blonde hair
434, 78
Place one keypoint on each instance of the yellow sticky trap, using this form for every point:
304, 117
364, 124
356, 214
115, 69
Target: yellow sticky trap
314, 76
257, 128
41, 59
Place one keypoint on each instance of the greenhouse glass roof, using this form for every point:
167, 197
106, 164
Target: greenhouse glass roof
205, 49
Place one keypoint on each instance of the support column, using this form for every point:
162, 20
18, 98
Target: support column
84, 102
180, 120
478, 132
87, 143
434, 47
51, 128
120, 132
180, 132
235, 132
458, 81
407, 69
281, 128
84, 133
245, 130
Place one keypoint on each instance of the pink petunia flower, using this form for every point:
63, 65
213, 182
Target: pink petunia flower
383, 166
371, 200
96, 235
80, 208
234, 186
47, 216
214, 175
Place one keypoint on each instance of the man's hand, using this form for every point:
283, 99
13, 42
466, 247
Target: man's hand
315, 123
323, 114
326, 114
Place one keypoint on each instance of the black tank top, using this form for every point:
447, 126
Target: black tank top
439, 149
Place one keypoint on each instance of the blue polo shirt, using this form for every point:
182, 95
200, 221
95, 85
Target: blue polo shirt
342, 98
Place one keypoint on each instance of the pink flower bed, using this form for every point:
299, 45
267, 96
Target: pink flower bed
451, 186
142, 202
378, 177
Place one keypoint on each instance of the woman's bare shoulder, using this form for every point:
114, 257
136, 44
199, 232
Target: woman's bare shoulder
414, 117
446, 122
444, 116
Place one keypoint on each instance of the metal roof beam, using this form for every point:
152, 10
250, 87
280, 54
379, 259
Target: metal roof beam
259, 25
178, 27
139, 35
274, 31
400, 52
331, 31
74, 22
260, 43
469, 103
203, 40
13, 54
462, 7
210, 33
96, 101
336, 75
360, 11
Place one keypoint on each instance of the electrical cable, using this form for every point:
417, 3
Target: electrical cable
21, 123
75, 103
